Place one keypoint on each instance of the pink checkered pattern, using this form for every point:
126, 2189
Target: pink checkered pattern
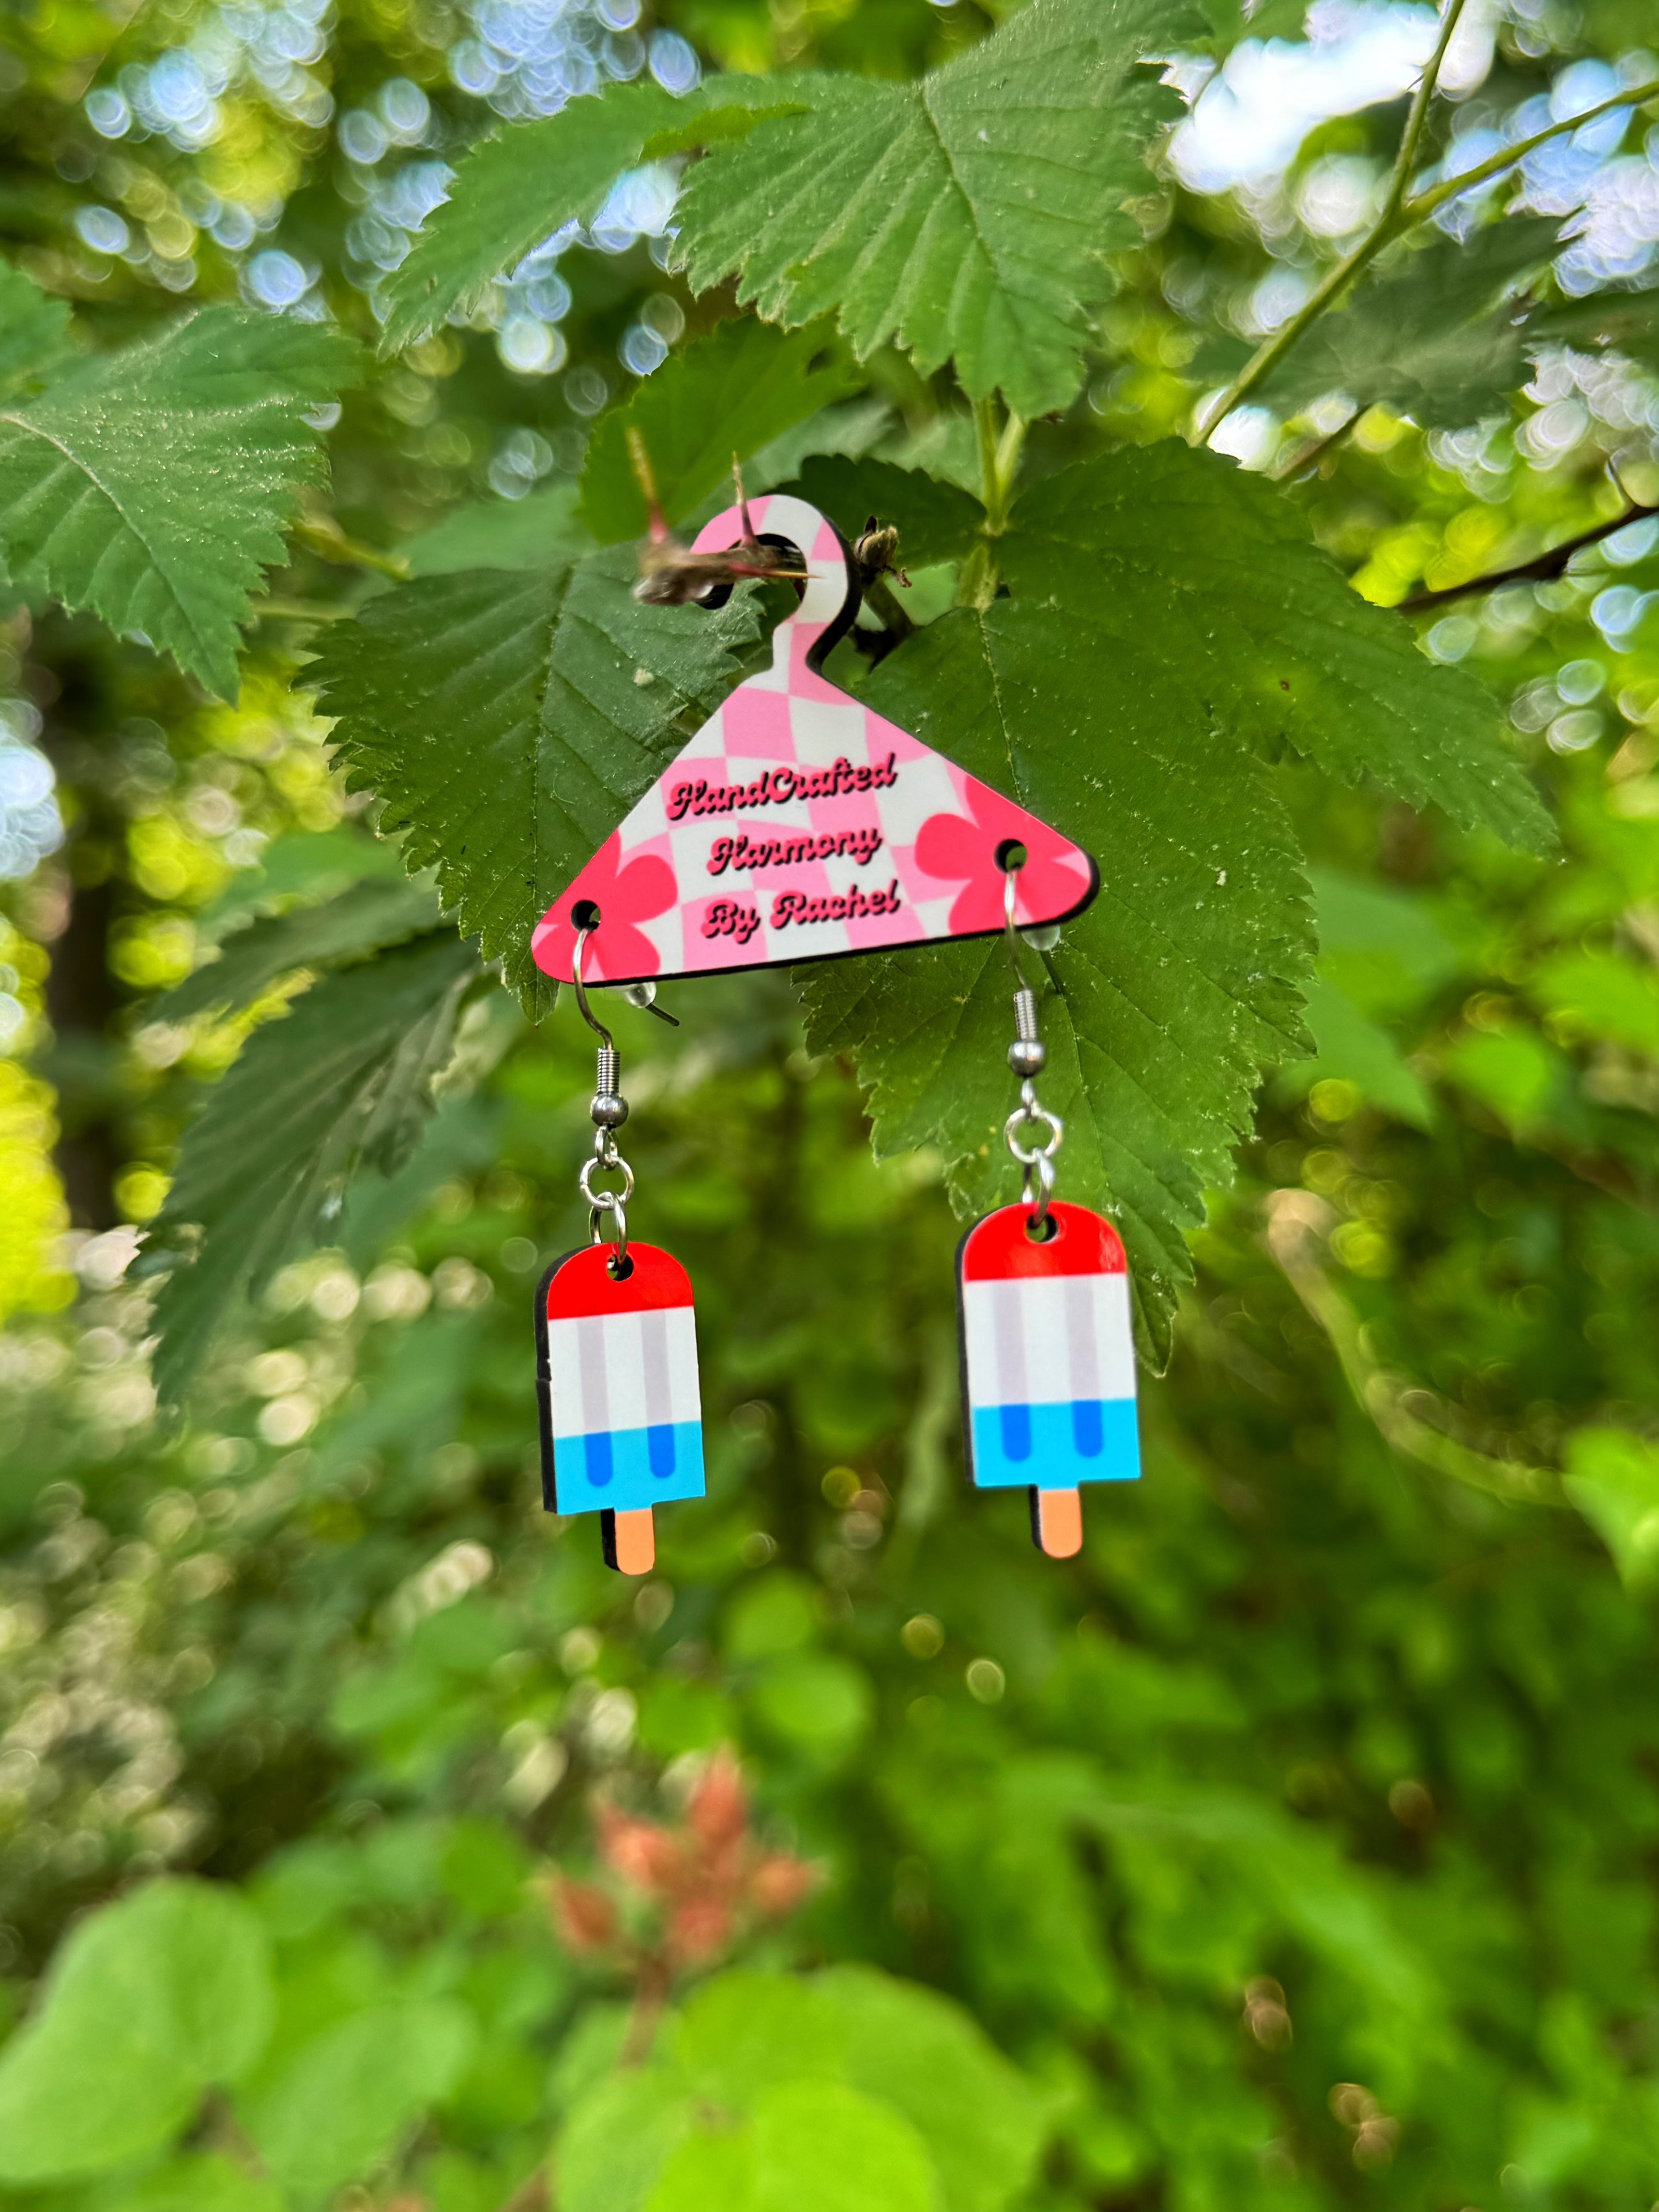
798, 825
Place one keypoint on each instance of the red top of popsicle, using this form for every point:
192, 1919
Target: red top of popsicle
584, 1287
998, 1249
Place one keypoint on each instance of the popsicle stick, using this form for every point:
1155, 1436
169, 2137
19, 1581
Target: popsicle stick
630, 1540
1057, 1521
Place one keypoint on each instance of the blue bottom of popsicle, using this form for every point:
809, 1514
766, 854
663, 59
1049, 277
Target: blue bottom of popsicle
1055, 1447
619, 1470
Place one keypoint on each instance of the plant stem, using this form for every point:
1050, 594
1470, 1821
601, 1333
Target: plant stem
533, 2193
1010, 446
1539, 570
1295, 1223
1416, 210
1000, 453
896, 624
1389, 223
1399, 215
325, 537
1315, 452
985, 423
1417, 119
651, 1990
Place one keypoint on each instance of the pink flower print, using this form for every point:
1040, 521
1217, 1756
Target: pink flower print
624, 895
962, 849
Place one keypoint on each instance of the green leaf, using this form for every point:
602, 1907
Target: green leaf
1353, 1048
982, 2122
730, 393
1430, 337
533, 532
33, 328
744, 2033
966, 218
821, 2148
344, 1081
706, 2168
1612, 1478
362, 919
1384, 946
344, 2098
147, 2003
153, 485
203, 2181
513, 191
1600, 995
1512, 1069
1163, 1002
1625, 322
778, 1611
818, 1703
935, 521
1211, 588
302, 866
618, 2138
503, 722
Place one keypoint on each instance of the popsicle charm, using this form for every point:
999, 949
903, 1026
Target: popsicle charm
617, 1373
1048, 1364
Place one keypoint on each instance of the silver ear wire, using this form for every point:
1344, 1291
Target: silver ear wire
1027, 1057
608, 1110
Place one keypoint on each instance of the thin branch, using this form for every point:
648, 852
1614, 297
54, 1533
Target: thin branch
1316, 450
985, 426
533, 2193
896, 623
1417, 119
1424, 204
1400, 214
1391, 219
1539, 570
1010, 446
1296, 1222
322, 535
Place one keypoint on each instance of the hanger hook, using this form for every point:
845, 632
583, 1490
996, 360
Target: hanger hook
587, 1013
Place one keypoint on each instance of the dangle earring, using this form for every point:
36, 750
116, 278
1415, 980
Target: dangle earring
617, 1345
1047, 1351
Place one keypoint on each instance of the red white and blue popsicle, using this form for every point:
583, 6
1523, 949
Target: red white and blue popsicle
1048, 1366
621, 1411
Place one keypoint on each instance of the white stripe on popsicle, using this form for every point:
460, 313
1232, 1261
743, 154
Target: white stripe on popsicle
630, 1371
1048, 1339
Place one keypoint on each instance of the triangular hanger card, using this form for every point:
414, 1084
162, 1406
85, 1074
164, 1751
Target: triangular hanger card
798, 825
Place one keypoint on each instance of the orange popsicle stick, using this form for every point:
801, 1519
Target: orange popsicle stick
1057, 1521
631, 1541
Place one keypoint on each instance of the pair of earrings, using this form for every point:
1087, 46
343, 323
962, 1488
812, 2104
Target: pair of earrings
798, 825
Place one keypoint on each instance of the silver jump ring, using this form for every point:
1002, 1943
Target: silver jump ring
1028, 1114
1040, 1171
605, 1198
609, 1201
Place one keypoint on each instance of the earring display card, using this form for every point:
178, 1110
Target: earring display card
798, 825
622, 1416
1049, 1365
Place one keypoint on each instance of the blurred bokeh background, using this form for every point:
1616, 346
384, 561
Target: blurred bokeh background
1299, 1840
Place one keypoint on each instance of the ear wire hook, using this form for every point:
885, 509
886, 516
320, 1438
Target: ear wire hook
587, 1013
608, 1110
1010, 871
1027, 1057
637, 995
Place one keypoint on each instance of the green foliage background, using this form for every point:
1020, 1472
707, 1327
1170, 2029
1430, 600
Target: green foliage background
1293, 1849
